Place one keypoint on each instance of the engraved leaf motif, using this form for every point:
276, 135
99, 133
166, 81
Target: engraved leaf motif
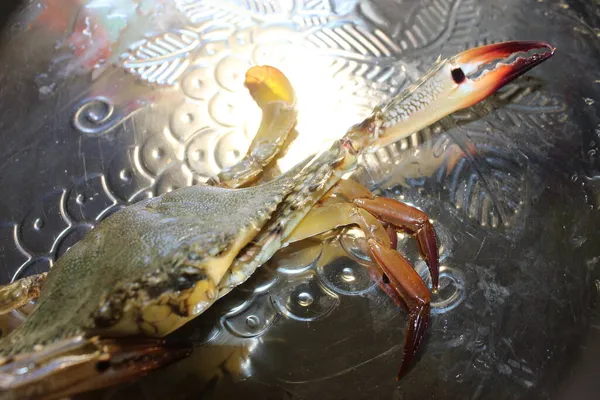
459, 27
489, 183
363, 61
492, 183
366, 85
485, 172
534, 110
482, 175
351, 40
163, 58
520, 106
427, 25
232, 12
262, 7
313, 13
364, 53
202, 11
314, 6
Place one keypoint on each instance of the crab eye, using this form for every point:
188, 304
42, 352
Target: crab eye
458, 75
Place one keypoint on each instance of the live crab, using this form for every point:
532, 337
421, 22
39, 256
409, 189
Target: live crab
146, 270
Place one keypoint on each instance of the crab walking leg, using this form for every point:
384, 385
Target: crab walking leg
20, 292
411, 288
404, 285
274, 94
410, 220
332, 216
401, 216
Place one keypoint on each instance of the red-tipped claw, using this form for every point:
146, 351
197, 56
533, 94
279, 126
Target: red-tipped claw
478, 56
451, 85
487, 68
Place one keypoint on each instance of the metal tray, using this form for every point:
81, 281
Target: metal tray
108, 102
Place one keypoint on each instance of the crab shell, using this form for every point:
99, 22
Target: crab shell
150, 267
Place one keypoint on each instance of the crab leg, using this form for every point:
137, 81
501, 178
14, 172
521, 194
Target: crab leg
411, 288
21, 292
401, 216
411, 220
332, 216
79, 364
274, 94
404, 285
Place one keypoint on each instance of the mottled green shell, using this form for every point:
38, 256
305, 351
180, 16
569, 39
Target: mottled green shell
150, 242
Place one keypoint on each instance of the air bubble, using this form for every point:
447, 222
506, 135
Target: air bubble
157, 154
345, 276
348, 275
198, 155
187, 118
38, 224
451, 291
305, 299
252, 321
125, 175
93, 116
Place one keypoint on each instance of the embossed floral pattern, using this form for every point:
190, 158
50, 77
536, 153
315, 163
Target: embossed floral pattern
342, 63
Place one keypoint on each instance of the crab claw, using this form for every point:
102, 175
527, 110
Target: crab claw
451, 85
483, 70
267, 84
77, 365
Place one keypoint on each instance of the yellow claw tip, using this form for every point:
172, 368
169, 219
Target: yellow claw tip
267, 84
256, 75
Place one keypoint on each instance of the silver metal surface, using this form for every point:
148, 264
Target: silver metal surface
105, 102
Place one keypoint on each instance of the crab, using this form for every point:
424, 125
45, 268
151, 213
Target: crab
103, 311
